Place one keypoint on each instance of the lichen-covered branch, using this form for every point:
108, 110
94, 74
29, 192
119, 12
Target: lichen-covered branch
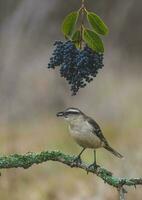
27, 160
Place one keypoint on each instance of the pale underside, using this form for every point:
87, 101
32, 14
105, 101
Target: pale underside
83, 134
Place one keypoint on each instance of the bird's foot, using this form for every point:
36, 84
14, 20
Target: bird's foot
77, 161
92, 167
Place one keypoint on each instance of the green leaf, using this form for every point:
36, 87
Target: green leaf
69, 23
93, 40
76, 38
97, 23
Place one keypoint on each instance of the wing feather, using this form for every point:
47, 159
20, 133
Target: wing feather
96, 130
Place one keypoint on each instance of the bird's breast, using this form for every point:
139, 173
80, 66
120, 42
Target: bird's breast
83, 134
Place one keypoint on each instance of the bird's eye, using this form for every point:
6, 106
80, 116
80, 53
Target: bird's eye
65, 115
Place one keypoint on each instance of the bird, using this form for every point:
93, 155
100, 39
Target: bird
86, 132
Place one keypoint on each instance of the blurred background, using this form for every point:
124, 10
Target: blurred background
31, 95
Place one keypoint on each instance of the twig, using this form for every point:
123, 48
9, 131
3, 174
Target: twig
27, 160
122, 193
82, 22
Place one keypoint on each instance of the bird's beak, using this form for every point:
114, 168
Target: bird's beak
60, 114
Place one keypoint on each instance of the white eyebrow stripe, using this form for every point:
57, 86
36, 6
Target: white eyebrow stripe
73, 110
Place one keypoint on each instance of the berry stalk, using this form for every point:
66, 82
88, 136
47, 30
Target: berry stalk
82, 22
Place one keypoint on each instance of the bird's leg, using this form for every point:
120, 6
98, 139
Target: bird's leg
95, 162
94, 165
78, 158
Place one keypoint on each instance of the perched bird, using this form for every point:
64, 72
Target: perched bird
86, 132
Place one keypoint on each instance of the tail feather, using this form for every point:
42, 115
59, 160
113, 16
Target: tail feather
114, 152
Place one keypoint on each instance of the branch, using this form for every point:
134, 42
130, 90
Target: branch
27, 160
121, 193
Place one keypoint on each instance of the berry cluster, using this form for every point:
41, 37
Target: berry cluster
78, 66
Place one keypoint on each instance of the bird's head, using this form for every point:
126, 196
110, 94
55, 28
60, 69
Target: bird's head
71, 114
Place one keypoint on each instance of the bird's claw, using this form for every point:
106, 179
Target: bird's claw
77, 161
92, 167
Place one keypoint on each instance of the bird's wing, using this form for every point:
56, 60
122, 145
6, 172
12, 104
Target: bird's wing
96, 130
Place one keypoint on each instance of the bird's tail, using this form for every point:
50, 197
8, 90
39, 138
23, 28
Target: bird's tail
114, 152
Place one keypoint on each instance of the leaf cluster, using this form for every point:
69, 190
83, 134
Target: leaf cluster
90, 36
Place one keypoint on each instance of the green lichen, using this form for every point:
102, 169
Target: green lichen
27, 160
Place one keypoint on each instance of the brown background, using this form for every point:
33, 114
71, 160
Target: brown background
30, 96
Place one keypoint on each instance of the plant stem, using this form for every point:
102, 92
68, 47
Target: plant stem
82, 22
121, 193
